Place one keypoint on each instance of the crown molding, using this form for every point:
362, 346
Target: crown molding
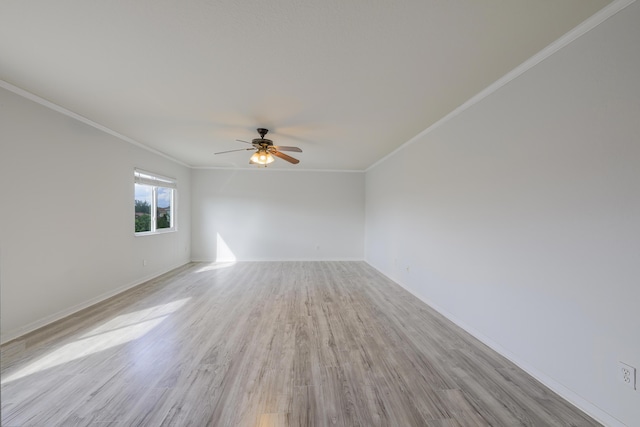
587, 25
261, 169
55, 107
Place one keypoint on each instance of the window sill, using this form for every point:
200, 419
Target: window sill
153, 233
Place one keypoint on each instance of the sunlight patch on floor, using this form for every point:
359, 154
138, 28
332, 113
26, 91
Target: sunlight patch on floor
119, 330
215, 266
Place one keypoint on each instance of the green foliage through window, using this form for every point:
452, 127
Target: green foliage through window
143, 223
163, 219
154, 202
142, 206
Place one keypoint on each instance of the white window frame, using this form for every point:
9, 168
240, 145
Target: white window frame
156, 181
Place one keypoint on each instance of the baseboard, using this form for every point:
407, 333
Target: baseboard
17, 333
557, 387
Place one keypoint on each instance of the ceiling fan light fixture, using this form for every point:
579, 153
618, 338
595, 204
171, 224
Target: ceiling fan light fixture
265, 150
262, 157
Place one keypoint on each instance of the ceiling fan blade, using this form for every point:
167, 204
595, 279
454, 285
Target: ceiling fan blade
285, 157
231, 151
285, 148
246, 142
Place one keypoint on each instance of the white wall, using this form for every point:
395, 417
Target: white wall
66, 215
520, 218
266, 214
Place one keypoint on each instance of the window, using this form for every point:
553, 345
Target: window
154, 202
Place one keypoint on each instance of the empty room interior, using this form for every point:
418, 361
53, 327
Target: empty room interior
413, 213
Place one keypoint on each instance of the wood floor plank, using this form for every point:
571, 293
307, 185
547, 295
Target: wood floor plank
267, 344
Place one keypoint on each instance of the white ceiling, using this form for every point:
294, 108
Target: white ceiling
347, 81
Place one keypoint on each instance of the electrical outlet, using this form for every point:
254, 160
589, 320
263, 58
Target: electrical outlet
144, 262
627, 374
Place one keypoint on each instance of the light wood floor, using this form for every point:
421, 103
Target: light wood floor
267, 344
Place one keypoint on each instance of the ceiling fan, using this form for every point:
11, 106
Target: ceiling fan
265, 150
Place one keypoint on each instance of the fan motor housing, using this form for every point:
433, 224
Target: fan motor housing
262, 141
